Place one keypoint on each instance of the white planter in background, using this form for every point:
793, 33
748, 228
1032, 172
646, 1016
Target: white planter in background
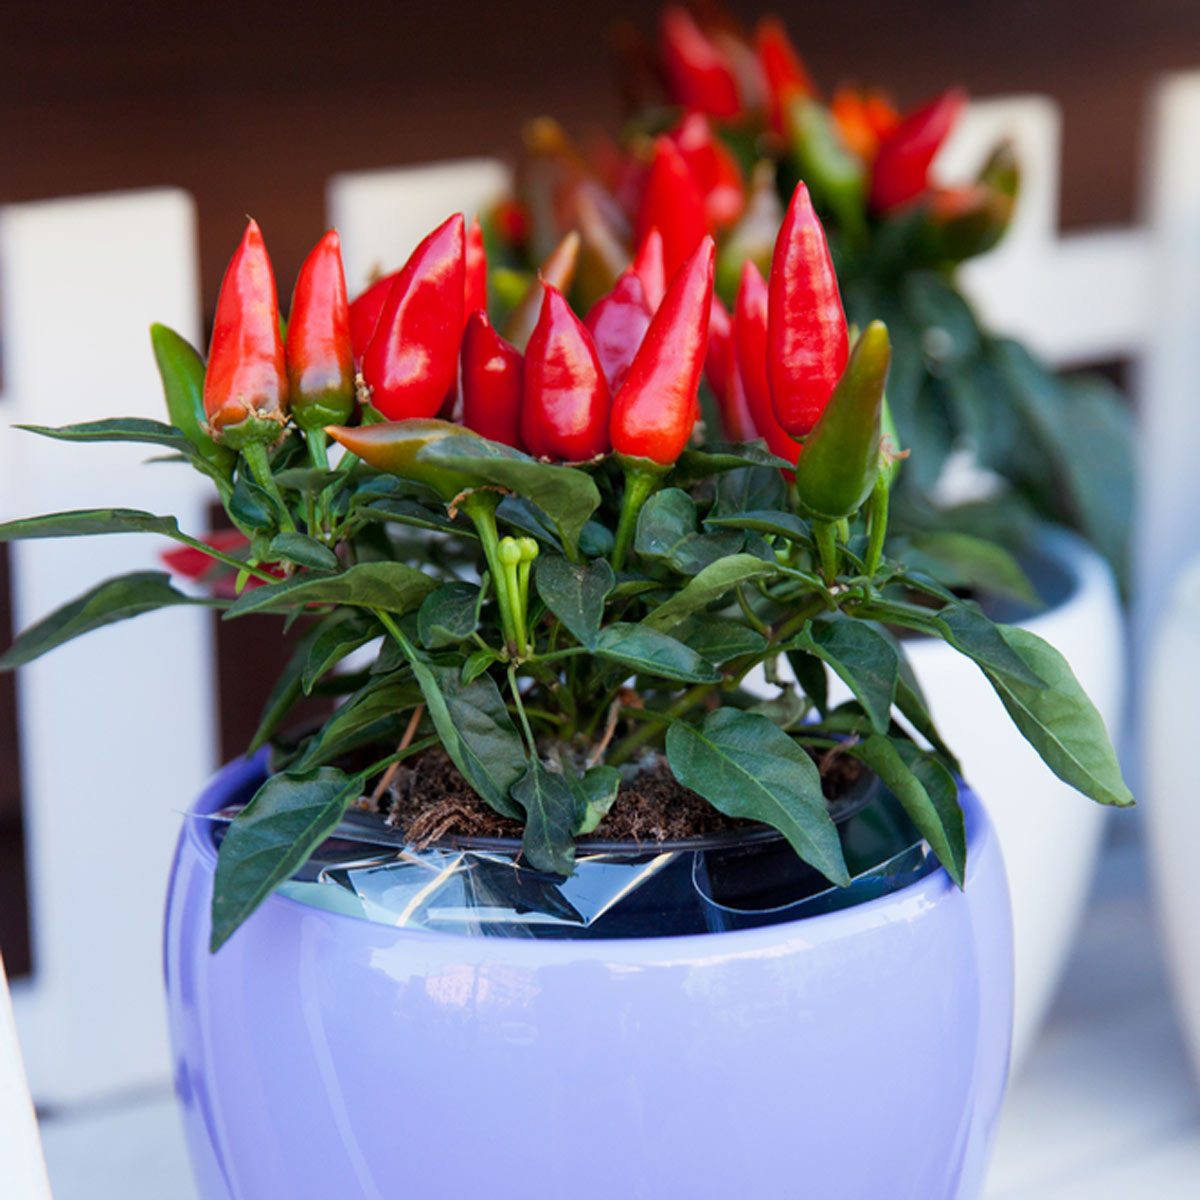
1168, 770
1050, 835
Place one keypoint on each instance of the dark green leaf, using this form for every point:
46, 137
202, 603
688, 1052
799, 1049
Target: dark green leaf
745, 766
478, 662
251, 507
697, 464
650, 652
668, 529
566, 495
270, 839
769, 521
393, 587
970, 632
410, 512
864, 660
749, 489
517, 512
114, 600
339, 635
302, 550
383, 699
87, 521
550, 819
961, 560
718, 639
575, 593
928, 793
714, 582
1059, 721
810, 674
449, 615
309, 481
117, 429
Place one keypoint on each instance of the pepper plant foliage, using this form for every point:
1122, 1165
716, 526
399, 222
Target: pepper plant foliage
550, 624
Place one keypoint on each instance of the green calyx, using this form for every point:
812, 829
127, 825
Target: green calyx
254, 429
333, 406
838, 466
182, 372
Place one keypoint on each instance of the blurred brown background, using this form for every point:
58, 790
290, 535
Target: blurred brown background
251, 107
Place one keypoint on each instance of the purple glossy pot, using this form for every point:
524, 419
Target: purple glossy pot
860, 1054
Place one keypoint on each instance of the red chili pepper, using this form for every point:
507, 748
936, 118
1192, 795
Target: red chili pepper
784, 71
724, 378
618, 323
698, 75
320, 360
564, 414
807, 339
365, 310
245, 383
901, 170
492, 382
750, 342
475, 295
648, 265
672, 203
412, 360
714, 169
656, 408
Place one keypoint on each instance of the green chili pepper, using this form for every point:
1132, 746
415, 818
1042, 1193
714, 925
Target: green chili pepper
840, 459
182, 371
835, 176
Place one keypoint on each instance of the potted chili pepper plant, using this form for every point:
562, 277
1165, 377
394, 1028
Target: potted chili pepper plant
1008, 459
546, 861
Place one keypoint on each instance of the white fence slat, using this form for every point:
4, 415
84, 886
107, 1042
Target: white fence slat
382, 215
117, 731
1168, 520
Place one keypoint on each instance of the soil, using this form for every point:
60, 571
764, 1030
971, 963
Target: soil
430, 800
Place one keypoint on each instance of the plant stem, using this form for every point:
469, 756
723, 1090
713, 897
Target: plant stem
220, 556
255, 454
480, 507
825, 533
693, 696
877, 513
516, 695
640, 484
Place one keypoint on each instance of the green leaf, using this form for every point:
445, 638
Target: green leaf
928, 793
745, 766
715, 581
1059, 721
777, 524
270, 839
302, 550
695, 464
812, 678
961, 560
668, 529
575, 593
409, 512
478, 662
864, 660
476, 730
550, 818
85, 522
566, 495
449, 615
910, 700
353, 724
718, 639
391, 586
594, 792
117, 429
309, 481
749, 489
341, 634
251, 507
649, 652
114, 600
970, 632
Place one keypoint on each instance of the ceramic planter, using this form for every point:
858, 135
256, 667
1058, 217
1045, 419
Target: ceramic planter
1050, 834
858, 1053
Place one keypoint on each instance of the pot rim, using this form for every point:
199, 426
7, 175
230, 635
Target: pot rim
913, 899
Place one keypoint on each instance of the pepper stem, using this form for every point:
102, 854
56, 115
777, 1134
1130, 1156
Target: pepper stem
877, 515
255, 454
642, 479
826, 534
480, 507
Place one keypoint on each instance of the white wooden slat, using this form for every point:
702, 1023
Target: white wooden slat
381, 215
117, 731
22, 1167
1168, 378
